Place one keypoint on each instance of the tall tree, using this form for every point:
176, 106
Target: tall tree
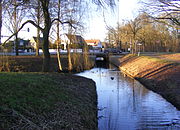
38, 15
112, 36
45, 31
13, 16
149, 34
15, 26
164, 10
58, 37
48, 21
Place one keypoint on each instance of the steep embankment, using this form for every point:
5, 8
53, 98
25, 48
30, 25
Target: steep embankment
159, 73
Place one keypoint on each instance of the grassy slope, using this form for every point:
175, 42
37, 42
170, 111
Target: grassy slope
158, 74
37, 100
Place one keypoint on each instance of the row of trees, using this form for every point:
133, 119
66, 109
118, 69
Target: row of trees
46, 16
149, 31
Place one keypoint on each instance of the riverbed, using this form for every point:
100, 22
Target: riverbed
125, 104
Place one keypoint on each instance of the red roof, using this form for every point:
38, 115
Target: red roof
92, 41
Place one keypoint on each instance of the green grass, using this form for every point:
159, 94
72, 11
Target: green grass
43, 97
159, 60
152, 58
27, 91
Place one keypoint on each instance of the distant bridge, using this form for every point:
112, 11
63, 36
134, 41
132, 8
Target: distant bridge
104, 59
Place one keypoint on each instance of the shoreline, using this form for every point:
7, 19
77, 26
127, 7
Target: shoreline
158, 75
47, 101
54, 100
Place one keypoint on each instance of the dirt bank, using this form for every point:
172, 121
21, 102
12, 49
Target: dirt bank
158, 73
34, 63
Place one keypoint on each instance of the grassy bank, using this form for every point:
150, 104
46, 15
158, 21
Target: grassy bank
34, 63
160, 73
52, 101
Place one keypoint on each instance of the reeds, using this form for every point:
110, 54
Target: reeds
4, 62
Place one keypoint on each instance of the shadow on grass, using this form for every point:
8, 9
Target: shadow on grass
130, 58
155, 71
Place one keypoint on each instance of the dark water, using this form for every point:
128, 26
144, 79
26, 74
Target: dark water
124, 104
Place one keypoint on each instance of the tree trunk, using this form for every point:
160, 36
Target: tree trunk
58, 56
37, 42
16, 45
85, 57
46, 30
134, 43
46, 54
38, 30
16, 28
69, 58
58, 39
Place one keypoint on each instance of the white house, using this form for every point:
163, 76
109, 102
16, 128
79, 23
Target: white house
76, 41
33, 42
95, 43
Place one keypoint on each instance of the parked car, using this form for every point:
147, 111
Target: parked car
19, 50
112, 50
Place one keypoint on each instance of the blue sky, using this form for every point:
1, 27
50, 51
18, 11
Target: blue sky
128, 9
96, 25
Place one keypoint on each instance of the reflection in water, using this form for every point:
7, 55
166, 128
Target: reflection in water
124, 104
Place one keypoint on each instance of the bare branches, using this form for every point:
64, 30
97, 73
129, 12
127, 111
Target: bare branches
66, 22
104, 3
28, 21
168, 10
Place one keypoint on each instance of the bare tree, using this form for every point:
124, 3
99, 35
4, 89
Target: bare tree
58, 37
13, 16
48, 21
38, 16
164, 10
149, 34
134, 27
70, 66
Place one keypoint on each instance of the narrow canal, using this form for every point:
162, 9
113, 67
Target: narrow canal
125, 104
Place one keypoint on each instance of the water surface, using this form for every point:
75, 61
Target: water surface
125, 104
